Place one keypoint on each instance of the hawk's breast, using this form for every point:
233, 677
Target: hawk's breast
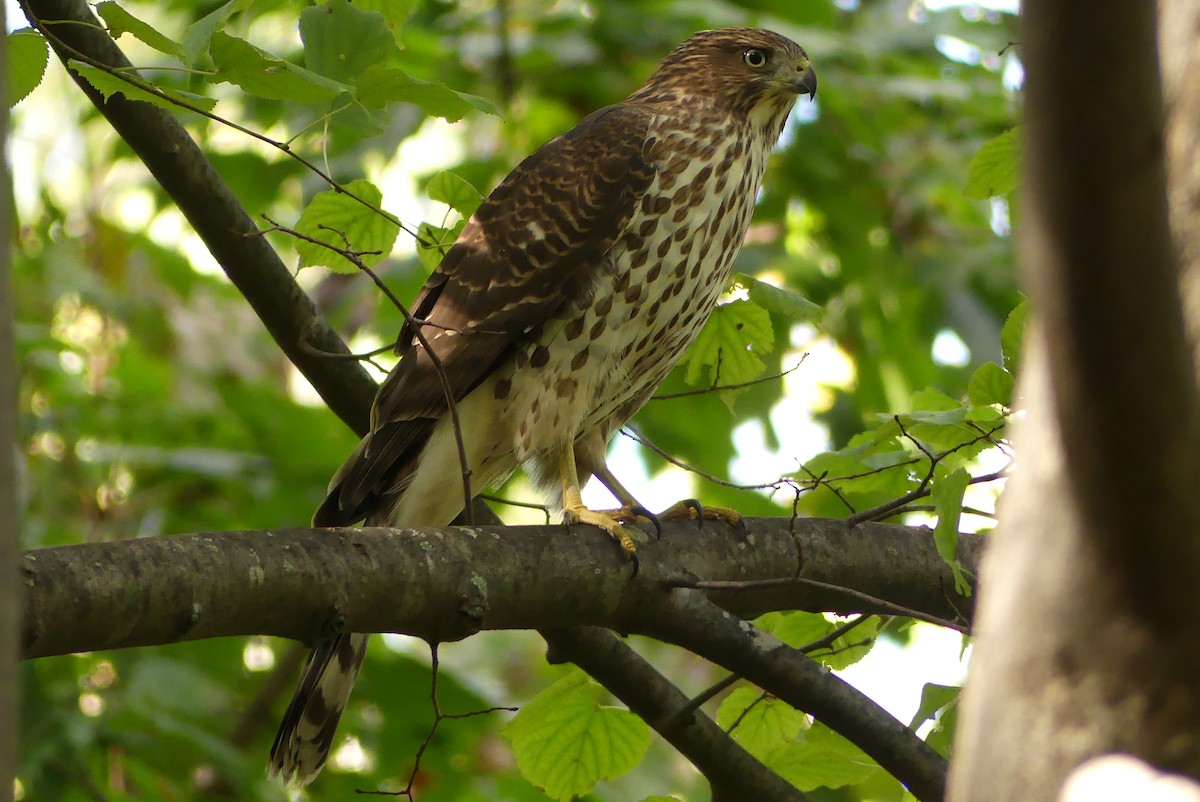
597, 361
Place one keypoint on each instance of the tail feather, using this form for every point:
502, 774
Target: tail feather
305, 735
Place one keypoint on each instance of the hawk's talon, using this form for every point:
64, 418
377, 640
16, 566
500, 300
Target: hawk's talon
608, 522
691, 508
695, 505
642, 512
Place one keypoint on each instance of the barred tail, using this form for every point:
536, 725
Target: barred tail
306, 734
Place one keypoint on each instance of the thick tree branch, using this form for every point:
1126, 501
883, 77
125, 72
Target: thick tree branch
731, 771
445, 584
695, 623
177, 163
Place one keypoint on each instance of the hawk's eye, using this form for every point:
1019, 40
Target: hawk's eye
754, 58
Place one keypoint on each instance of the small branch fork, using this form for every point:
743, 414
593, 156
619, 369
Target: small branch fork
438, 718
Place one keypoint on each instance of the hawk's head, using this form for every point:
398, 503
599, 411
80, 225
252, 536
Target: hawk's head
735, 67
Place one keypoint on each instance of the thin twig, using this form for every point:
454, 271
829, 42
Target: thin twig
715, 388
451, 402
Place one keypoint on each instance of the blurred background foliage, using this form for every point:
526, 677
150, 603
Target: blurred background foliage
153, 402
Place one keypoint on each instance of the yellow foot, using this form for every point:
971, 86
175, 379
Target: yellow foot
609, 521
692, 510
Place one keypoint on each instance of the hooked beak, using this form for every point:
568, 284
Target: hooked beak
806, 83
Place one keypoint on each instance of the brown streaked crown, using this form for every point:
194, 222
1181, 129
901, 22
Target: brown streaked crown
712, 66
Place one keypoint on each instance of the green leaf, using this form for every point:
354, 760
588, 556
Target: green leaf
1012, 337
108, 85
340, 41
198, 37
28, 55
933, 698
565, 741
729, 345
261, 74
797, 628
763, 723
947, 496
332, 214
454, 191
991, 384
379, 85
433, 242
120, 21
394, 13
822, 759
779, 301
994, 169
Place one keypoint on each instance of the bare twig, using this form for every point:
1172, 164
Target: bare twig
355, 258
715, 388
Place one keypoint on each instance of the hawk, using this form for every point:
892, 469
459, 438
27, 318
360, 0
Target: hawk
568, 296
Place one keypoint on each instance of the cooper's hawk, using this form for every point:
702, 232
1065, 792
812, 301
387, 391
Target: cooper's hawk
571, 292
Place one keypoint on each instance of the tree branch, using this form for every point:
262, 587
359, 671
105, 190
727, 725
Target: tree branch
731, 771
445, 584
228, 232
695, 623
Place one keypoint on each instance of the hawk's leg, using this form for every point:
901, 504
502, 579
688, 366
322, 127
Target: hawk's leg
574, 512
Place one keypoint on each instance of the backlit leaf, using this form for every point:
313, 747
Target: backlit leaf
337, 219
565, 741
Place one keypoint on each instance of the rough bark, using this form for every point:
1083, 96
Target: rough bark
1087, 640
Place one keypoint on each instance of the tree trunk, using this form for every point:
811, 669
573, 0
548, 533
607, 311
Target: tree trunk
1088, 641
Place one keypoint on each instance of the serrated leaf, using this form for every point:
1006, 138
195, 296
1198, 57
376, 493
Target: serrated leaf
762, 723
729, 346
433, 242
340, 40
263, 75
565, 741
947, 496
994, 170
990, 384
332, 214
779, 301
379, 85
822, 759
1012, 337
454, 191
109, 85
120, 21
933, 698
28, 55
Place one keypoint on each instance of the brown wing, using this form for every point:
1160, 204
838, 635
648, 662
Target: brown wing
536, 243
